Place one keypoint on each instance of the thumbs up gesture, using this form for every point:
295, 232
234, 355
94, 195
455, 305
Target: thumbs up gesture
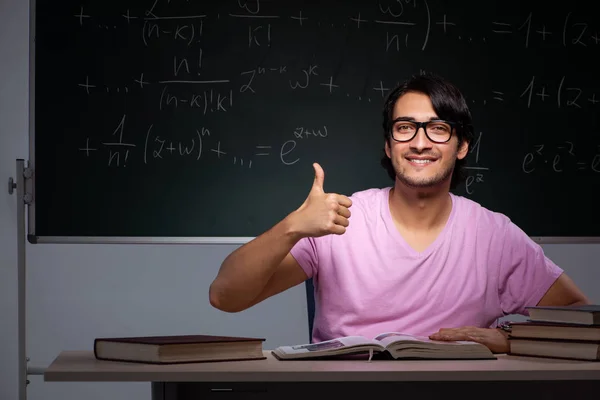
322, 213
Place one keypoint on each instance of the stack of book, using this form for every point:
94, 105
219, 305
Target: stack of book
568, 332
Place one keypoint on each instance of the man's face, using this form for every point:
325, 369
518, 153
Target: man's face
421, 163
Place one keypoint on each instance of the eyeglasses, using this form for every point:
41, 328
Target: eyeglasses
438, 131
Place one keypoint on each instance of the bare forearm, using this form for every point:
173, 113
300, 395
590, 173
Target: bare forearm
246, 271
581, 302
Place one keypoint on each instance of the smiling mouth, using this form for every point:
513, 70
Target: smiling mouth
420, 161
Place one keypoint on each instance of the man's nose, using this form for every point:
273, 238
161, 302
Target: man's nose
421, 141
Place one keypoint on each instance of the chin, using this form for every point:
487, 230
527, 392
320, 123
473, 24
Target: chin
419, 184
417, 180
431, 182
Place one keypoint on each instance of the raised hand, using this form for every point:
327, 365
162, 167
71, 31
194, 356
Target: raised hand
322, 213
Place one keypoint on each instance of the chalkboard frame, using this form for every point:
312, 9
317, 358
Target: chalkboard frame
34, 238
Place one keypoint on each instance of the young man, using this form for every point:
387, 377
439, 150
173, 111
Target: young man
412, 258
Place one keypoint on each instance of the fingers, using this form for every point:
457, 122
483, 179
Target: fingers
343, 211
489, 337
319, 177
450, 336
337, 229
339, 213
461, 329
464, 333
344, 201
340, 220
339, 200
337, 223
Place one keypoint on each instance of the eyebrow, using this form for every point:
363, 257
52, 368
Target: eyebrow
411, 119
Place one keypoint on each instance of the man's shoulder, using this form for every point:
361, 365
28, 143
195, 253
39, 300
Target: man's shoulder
471, 210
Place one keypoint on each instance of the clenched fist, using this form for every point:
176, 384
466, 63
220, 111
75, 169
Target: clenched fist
322, 213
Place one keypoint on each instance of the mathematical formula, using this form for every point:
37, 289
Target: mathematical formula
189, 81
476, 170
117, 150
536, 93
399, 25
402, 22
559, 158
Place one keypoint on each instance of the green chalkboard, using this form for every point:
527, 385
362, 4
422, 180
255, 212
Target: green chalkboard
195, 119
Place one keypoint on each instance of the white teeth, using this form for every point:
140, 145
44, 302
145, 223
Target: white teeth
421, 161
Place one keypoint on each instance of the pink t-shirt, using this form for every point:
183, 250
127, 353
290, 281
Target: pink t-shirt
369, 280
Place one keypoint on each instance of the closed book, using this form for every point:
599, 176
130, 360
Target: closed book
589, 351
554, 330
176, 349
588, 314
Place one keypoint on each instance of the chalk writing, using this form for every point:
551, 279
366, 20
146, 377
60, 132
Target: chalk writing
391, 12
161, 147
81, 16
570, 32
304, 133
207, 101
187, 79
185, 32
118, 149
250, 75
287, 148
476, 171
259, 35
560, 93
560, 158
141, 82
304, 81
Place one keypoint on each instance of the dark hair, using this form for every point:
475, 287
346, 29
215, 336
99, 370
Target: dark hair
448, 103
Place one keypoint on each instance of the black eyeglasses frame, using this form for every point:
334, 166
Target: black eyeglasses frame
423, 125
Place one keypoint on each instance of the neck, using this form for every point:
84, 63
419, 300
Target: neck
420, 209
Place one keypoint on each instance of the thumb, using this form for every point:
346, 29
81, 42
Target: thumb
319, 177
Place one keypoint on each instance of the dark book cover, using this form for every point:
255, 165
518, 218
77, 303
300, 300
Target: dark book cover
179, 339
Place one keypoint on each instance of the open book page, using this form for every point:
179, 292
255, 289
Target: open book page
396, 338
401, 345
389, 338
342, 345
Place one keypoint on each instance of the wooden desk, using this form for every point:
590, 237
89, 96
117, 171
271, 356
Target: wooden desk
270, 378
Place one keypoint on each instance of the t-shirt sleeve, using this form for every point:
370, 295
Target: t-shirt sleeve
305, 253
525, 272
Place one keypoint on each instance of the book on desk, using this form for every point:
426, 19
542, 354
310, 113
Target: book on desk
177, 349
568, 332
390, 345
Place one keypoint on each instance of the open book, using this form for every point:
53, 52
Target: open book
389, 345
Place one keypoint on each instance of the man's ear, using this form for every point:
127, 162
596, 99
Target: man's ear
463, 149
387, 148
